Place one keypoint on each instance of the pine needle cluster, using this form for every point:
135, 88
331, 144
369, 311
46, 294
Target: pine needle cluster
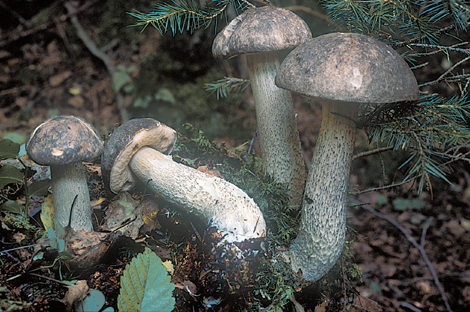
186, 15
398, 20
435, 131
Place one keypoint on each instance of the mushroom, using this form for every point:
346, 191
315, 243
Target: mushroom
138, 148
63, 142
341, 71
260, 33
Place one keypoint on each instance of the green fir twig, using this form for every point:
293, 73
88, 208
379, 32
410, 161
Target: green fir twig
427, 128
227, 85
185, 15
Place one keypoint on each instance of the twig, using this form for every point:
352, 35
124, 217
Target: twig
13, 12
414, 243
99, 54
445, 74
442, 48
20, 33
374, 151
379, 188
425, 229
311, 12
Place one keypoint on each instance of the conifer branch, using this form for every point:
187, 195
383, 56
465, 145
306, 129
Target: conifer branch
185, 15
427, 128
227, 85
398, 21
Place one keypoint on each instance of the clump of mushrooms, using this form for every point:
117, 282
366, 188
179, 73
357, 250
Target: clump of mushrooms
63, 143
341, 71
260, 33
138, 148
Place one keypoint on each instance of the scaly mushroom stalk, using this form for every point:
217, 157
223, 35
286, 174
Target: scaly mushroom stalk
136, 149
70, 187
321, 236
340, 71
260, 33
277, 127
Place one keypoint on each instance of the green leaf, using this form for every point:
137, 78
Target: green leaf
9, 149
92, 303
120, 78
39, 188
12, 206
10, 174
146, 285
401, 204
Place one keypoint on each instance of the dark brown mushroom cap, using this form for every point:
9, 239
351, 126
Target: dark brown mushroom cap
124, 142
263, 29
62, 140
347, 67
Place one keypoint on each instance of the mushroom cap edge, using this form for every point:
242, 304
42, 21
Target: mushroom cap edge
124, 142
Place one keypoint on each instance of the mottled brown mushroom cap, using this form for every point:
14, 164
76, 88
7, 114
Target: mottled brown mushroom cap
347, 67
263, 29
62, 140
124, 142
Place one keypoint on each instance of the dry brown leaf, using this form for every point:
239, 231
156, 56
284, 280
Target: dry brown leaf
321, 307
362, 304
120, 211
74, 293
58, 79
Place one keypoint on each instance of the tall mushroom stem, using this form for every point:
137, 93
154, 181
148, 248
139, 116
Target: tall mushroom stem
323, 222
277, 126
71, 195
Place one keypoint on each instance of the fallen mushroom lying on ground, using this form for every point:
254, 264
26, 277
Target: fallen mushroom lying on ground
138, 148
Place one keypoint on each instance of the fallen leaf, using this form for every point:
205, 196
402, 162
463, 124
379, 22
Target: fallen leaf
58, 79
47, 212
362, 304
75, 293
120, 211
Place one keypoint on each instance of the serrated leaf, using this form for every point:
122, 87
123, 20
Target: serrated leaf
9, 149
145, 285
39, 188
10, 174
12, 206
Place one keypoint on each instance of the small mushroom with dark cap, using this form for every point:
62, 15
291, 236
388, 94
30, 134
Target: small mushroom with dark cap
260, 34
63, 143
138, 148
341, 71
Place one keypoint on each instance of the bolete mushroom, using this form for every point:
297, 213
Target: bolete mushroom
138, 148
341, 71
259, 34
63, 142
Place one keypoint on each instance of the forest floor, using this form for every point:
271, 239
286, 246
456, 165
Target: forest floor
413, 249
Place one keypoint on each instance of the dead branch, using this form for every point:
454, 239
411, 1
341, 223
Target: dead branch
93, 48
19, 32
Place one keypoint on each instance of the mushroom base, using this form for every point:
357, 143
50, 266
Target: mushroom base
321, 237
